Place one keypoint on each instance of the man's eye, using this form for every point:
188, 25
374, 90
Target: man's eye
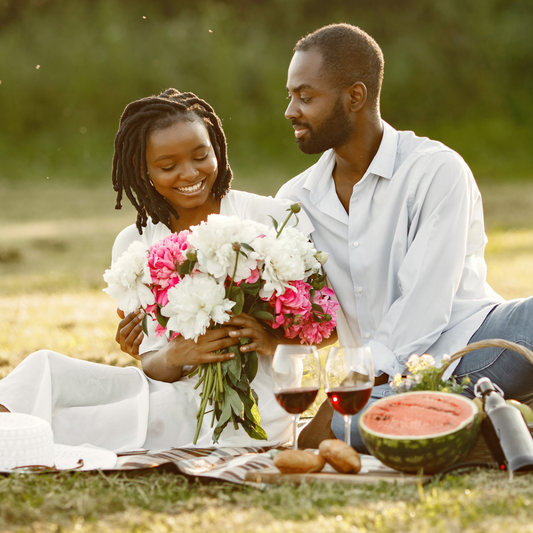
305, 100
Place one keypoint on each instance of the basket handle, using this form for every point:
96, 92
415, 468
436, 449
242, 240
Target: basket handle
494, 343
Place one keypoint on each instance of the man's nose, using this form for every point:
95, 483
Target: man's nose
292, 110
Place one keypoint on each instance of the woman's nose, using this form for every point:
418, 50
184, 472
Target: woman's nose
188, 171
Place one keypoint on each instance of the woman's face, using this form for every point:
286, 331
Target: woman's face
182, 164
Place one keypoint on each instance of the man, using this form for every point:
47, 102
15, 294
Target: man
402, 220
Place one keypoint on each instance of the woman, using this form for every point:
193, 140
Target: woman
171, 162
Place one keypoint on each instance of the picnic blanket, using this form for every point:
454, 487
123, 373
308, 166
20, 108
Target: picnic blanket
222, 463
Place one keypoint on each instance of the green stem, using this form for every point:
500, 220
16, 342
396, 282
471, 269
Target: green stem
219, 372
284, 224
206, 392
201, 380
228, 290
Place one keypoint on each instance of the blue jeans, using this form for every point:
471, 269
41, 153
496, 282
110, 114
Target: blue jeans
512, 321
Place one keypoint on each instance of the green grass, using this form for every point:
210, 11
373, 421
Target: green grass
54, 246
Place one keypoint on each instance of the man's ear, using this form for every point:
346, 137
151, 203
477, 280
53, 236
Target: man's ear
358, 96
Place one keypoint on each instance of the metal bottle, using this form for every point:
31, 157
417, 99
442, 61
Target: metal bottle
509, 427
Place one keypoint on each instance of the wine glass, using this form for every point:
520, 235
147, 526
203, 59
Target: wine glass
349, 379
296, 374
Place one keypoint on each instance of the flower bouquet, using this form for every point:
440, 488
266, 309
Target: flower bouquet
191, 281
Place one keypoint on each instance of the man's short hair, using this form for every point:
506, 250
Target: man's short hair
349, 55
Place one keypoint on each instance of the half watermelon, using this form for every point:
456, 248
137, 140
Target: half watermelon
421, 430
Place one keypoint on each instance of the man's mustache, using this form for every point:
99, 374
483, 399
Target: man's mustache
300, 124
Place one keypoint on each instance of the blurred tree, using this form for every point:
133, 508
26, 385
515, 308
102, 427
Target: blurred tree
461, 71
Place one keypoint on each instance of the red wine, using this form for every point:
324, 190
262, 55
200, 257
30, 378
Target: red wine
296, 401
349, 401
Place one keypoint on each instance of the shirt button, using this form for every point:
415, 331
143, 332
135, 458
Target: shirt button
359, 289
368, 335
355, 244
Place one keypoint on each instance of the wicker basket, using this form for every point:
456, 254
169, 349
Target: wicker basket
481, 452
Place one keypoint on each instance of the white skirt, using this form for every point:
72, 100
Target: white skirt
121, 409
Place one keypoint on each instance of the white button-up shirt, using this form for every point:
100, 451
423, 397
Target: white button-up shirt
407, 261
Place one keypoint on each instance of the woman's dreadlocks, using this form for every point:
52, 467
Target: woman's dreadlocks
130, 173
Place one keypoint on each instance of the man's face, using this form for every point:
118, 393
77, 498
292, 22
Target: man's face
316, 109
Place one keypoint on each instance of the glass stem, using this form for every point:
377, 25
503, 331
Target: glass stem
348, 429
295, 419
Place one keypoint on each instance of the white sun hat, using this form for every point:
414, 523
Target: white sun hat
27, 442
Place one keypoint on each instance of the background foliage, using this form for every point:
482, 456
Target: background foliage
461, 72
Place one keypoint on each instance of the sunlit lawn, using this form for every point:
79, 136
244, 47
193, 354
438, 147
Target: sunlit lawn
54, 245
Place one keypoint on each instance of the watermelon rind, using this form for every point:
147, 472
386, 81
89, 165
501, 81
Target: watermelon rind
428, 453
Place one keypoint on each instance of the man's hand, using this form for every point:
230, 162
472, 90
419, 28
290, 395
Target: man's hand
263, 342
129, 332
381, 380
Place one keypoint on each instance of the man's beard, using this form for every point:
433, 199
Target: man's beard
332, 132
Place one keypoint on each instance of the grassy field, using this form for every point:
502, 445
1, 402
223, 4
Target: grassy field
54, 245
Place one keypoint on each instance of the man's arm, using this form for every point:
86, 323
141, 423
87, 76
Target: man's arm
441, 246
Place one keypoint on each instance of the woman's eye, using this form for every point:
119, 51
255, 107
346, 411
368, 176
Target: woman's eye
201, 158
168, 169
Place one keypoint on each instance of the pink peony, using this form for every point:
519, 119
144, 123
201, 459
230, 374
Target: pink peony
313, 332
165, 256
291, 308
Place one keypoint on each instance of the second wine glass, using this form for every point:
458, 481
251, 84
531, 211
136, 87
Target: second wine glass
349, 379
297, 375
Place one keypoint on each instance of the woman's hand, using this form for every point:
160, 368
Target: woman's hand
129, 332
263, 342
167, 363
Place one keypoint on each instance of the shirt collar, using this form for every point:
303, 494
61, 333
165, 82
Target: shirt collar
383, 163
319, 180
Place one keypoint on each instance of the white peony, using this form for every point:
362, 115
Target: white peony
302, 246
281, 264
193, 303
128, 278
214, 240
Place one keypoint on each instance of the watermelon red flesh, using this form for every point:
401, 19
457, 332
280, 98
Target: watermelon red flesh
420, 430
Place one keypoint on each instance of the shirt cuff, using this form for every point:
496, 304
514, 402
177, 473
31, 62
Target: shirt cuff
385, 361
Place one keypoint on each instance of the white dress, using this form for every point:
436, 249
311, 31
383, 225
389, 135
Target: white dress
121, 408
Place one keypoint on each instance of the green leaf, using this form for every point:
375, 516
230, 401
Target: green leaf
243, 384
262, 315
246, 246
234, 400
234, 365
274, 222
161, 319
251, 288
251, 365
237, 295
317, 308
145, 324
254, 431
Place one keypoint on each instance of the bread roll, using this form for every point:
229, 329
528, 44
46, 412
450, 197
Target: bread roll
342, 457
298, 462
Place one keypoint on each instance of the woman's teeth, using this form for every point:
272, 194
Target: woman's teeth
192, 188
